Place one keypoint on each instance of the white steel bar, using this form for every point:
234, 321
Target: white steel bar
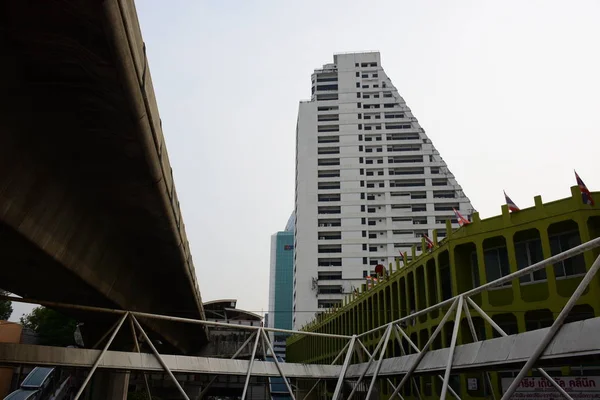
525, 271
414, 346
388, 379
285, 380
405, 353
246, 327
364, 372
459, 309
237, 353
106, 346
52, 304
386, 339
476, 339
137, 348
340, 382
250, 364
111, 329
159, 358
422, 353
485, 316
522, 272
558, 322
332, 363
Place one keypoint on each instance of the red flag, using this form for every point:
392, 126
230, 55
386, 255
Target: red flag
586, 196
461, 220
512, 207
428, 242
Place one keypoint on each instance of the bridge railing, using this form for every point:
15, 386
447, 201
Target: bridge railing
458, 306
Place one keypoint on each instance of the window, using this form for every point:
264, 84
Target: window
446, 207
327, 87
328, 108
327, 78
329, 222
328, 139
538, 319
330, 248
419, 207
328, 96
496, 263
358, 95
334, 173
571, 266
330, 289
444, 194
330, 275
397, 126
328, 161
328, 128
329, 197
329, 210
328, 150
328, 117
328, 185
527, 253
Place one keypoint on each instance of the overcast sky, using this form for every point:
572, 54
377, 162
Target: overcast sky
509, 93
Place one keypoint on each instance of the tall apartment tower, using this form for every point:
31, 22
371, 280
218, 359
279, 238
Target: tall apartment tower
369, 182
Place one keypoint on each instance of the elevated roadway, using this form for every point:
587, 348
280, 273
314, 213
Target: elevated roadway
88, 208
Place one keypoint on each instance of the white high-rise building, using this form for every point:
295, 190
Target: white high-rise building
369, 182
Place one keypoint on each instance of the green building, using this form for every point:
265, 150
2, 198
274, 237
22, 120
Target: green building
468, 257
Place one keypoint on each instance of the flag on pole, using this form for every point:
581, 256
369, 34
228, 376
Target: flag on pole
586, 196
512, 207
461, 220
428, 242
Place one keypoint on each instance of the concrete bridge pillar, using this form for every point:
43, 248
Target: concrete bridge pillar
109, 385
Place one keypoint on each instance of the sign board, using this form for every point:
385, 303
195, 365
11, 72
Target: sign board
578, 387
471, 383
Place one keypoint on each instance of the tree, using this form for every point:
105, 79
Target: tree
52, 327
5, 307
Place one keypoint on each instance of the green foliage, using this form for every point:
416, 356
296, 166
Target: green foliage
53, 328
5, 307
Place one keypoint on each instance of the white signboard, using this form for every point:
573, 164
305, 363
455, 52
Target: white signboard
472, 384
579, 387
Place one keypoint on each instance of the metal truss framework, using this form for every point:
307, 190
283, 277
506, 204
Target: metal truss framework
458, 306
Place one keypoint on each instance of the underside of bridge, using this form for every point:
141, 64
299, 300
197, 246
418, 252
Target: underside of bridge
88, 209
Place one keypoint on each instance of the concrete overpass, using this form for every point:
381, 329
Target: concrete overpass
88, 208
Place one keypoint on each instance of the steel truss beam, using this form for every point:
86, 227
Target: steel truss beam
457, 304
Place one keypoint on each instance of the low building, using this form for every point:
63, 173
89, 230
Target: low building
469, 257
225, 341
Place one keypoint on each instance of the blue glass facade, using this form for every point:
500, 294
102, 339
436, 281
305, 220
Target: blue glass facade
281, 312
281, 292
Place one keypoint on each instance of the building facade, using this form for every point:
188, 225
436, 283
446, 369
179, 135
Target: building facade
474, 255
369, 182
281, 285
